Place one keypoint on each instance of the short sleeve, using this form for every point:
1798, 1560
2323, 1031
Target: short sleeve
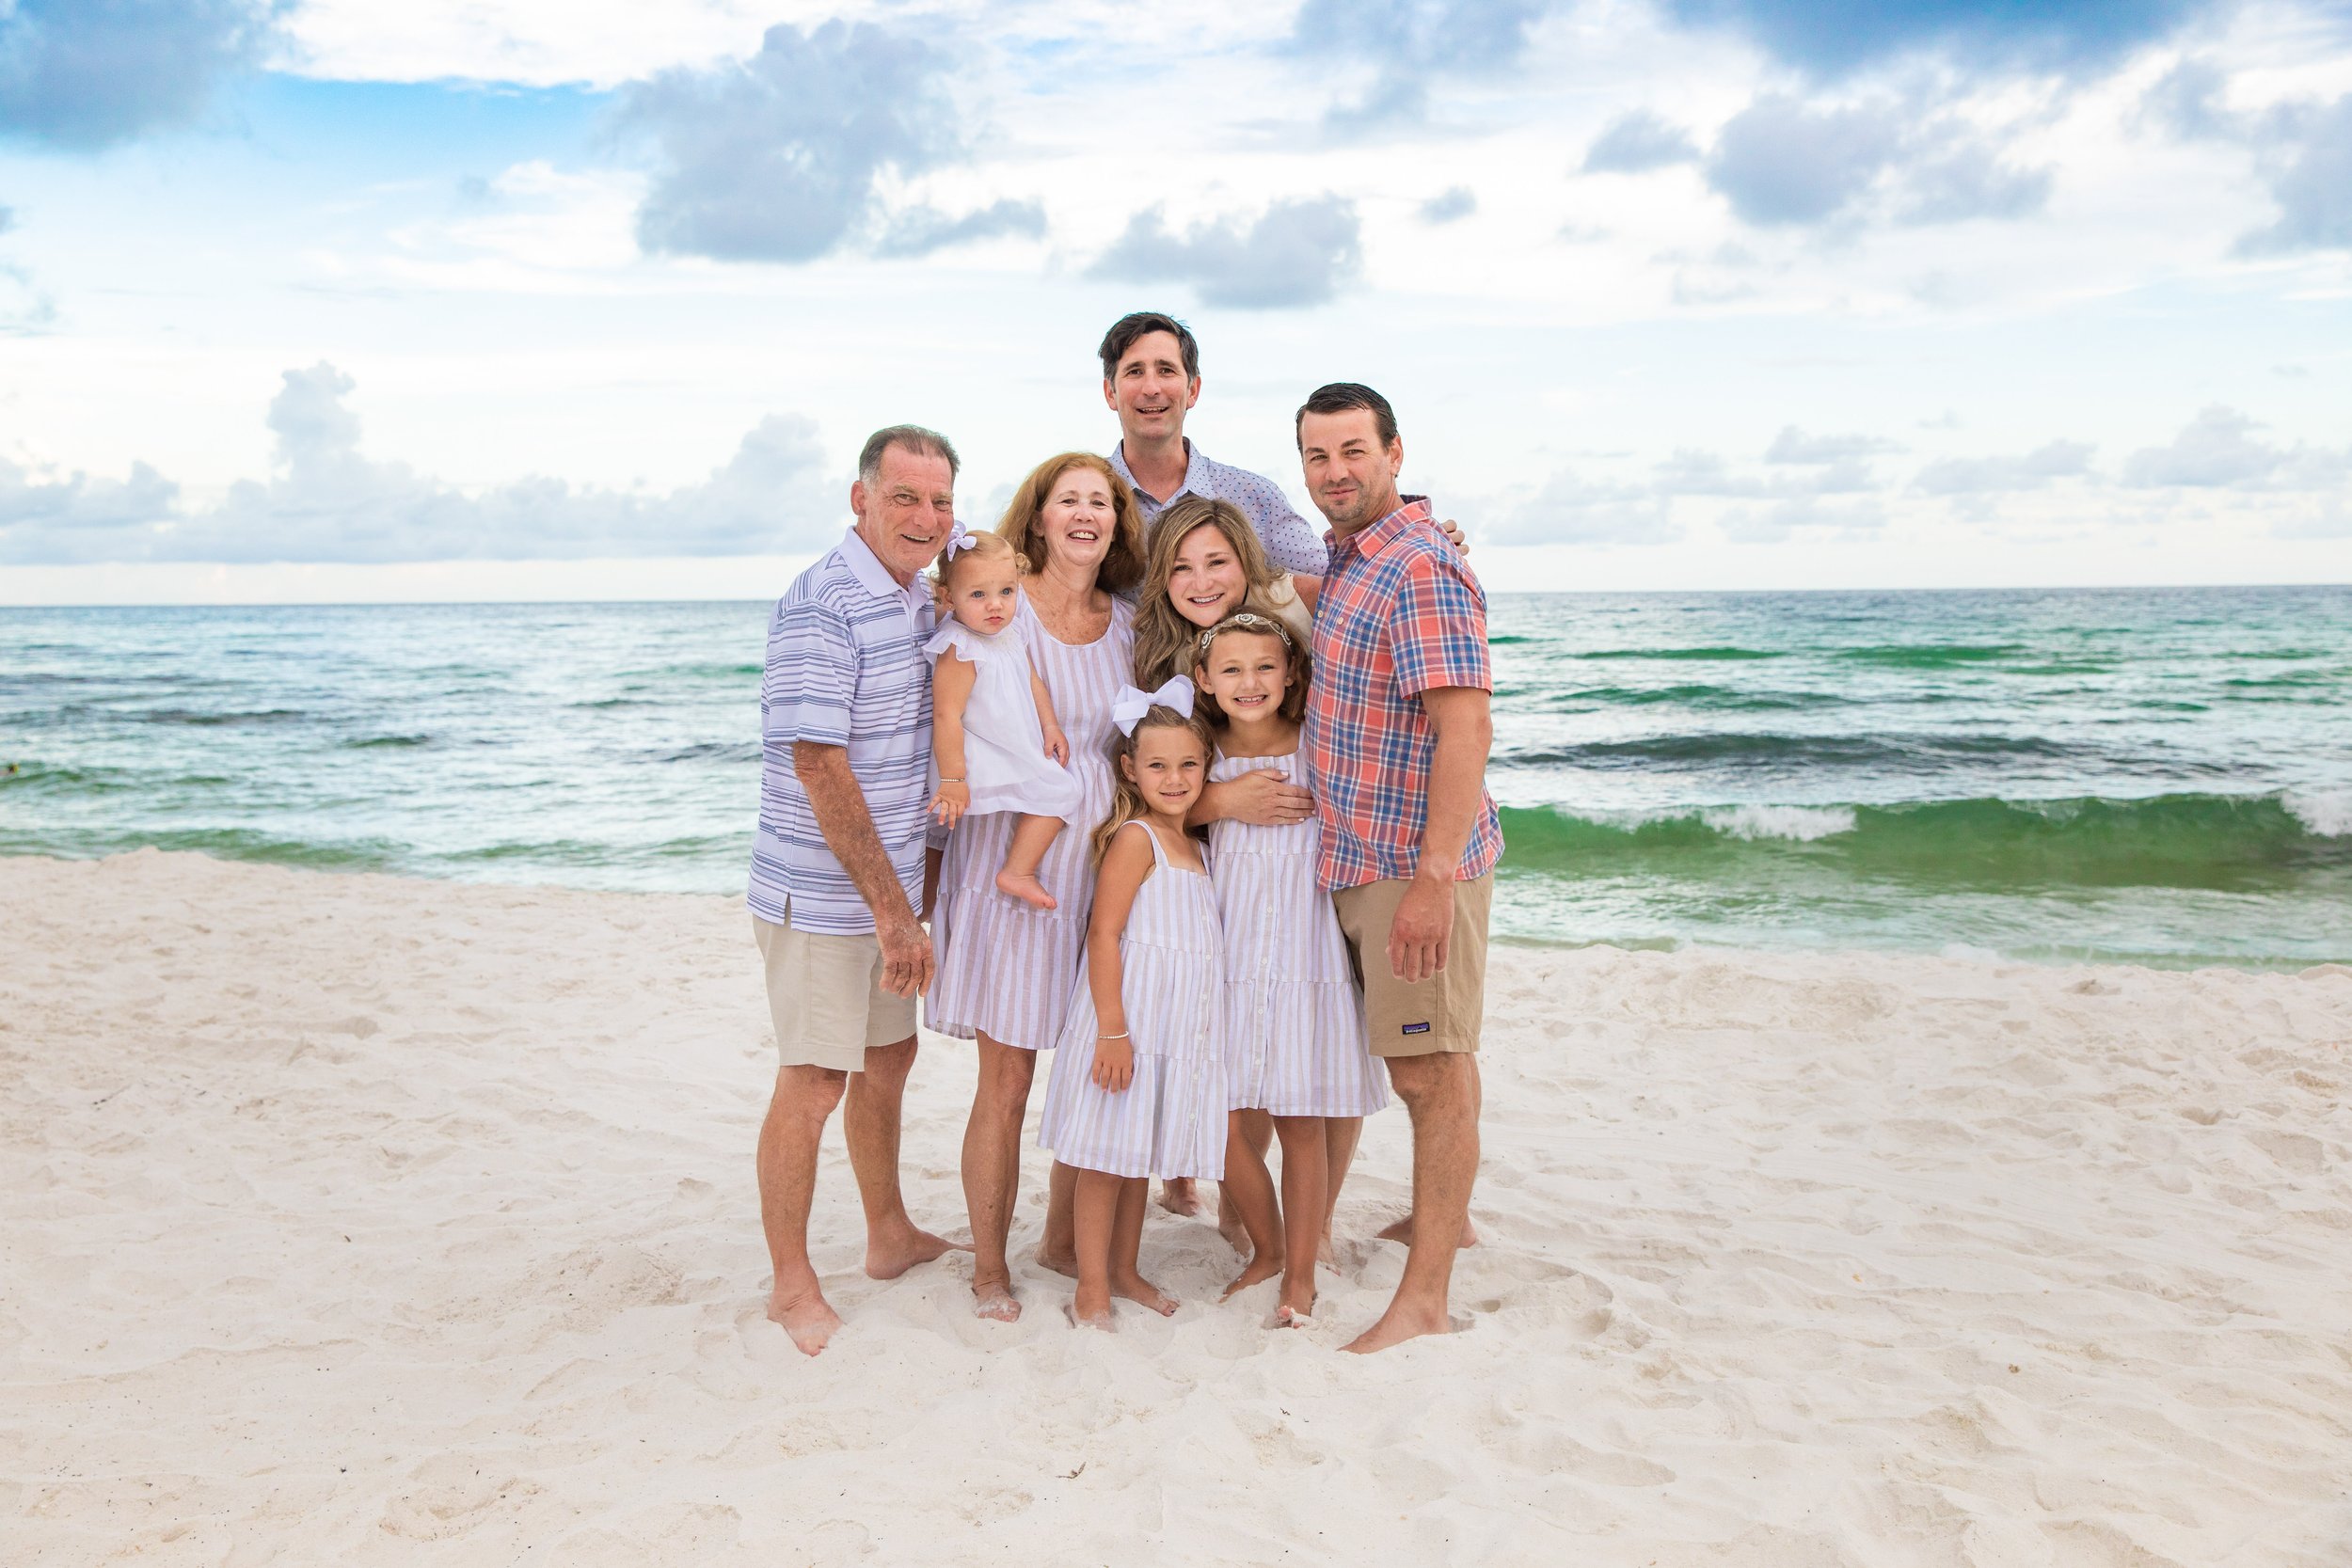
811, 679
1437, 633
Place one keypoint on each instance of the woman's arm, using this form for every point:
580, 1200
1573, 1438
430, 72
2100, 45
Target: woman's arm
952, 680
1309, 589
1124, 866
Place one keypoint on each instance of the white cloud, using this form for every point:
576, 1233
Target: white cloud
1296, 252
327, 501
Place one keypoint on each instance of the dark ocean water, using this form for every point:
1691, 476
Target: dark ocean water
2156, 775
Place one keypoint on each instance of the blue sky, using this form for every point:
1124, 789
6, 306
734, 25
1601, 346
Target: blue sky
335, 299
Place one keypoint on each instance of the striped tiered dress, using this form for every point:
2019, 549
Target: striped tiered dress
1004, 966
1293, 1018
1169, 1120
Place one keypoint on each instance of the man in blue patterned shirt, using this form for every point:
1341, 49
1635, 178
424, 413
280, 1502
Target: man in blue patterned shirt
838, 868
1151, 380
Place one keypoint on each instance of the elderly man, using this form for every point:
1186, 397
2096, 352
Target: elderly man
840, 866
1396, 746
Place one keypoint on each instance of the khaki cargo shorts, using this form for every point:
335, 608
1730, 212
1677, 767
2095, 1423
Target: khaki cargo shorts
1441, 1013
825, 995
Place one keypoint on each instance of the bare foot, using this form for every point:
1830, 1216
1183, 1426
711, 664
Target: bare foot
1258, 1271
1287, 1316
1178, 1197
1066, 1265
1135, 1288
994, 1300
887, 1257
1399, 1324
805, 1315
1403, 1232
1084, 1312
1027, 889
1297, 1304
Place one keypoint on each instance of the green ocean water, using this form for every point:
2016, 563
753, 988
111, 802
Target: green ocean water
2161, 776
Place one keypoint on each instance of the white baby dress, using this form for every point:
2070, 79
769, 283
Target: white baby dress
1005, 765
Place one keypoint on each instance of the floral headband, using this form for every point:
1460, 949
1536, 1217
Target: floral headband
1246, 620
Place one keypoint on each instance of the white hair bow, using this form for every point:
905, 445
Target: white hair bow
961, 540
1129, 706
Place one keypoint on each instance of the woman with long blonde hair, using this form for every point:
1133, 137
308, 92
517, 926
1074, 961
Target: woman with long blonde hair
1006, 968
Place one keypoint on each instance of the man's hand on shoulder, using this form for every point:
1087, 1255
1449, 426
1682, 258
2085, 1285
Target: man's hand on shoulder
1455, 537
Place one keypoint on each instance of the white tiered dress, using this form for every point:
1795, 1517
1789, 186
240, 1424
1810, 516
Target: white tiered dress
1295, 1042
1005, 765
1169, 1120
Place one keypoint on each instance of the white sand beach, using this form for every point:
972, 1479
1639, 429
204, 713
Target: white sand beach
359, 1220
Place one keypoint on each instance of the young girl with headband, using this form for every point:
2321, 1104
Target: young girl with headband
994, 742
1137, 1091
1295, 1042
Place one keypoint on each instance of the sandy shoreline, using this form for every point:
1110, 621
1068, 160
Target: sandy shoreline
359, 1219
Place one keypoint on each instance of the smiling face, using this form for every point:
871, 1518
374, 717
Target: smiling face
1168, 768
1206, 582
1248, 672
906, 515
983, 595
1076, 520
1350, 471
1150, 391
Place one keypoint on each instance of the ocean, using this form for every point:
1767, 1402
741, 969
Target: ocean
2160, 776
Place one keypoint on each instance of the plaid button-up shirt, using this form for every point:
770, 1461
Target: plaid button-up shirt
1400, 615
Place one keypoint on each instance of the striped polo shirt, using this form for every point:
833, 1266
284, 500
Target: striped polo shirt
845, 668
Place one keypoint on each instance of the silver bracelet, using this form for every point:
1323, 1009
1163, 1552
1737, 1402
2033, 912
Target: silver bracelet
1123, 1034
951, 781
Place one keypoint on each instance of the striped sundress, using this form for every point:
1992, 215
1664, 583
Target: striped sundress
1004, 966
1169, 1120
1295, 1042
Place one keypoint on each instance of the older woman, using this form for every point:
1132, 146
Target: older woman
1006, 969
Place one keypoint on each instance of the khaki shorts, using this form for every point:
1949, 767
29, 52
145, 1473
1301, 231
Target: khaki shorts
825, 995
1441, 1013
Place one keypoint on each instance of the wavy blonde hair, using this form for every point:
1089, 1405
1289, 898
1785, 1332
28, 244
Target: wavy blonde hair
1164, 637
1126, 799
1122, 563
984, 547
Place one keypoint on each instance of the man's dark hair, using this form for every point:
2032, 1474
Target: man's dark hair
1338, 398
1143, 323
906, 437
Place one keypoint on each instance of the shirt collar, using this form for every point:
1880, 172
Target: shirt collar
1380, 536
867, 568
1194, 464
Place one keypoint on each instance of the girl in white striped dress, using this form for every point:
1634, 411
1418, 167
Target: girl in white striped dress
1294, 1044
1137, 1091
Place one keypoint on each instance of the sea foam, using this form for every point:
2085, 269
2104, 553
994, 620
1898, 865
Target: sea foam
1802, 823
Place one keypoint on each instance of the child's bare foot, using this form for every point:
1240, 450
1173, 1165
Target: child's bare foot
1065, 1264
1135, 1288
1403, 1232
806, 1315
1260, 1268
1178, 1197
1088, 1311
994, 1300
1297, 1306
1027, 889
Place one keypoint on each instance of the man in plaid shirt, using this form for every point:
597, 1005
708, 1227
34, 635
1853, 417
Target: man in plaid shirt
1395, 747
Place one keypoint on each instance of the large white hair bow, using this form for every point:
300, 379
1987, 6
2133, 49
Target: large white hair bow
961, 540
1129, 706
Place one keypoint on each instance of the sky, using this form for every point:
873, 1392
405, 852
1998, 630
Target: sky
342, 300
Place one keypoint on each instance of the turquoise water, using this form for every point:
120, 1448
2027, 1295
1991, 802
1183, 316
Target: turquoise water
2157, 775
